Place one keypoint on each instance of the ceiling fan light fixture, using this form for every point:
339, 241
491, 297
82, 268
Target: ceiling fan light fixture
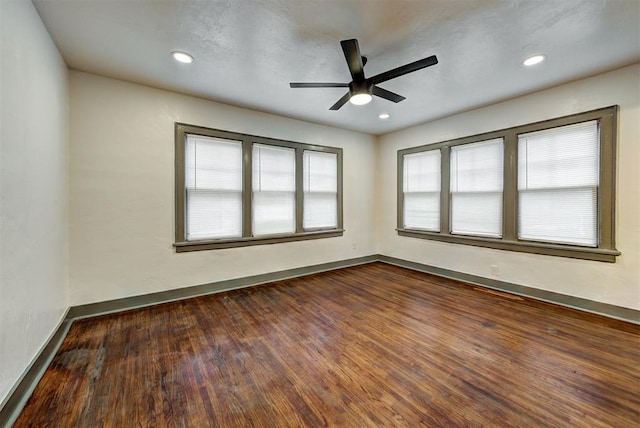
182, 57
360, 99
533, 60
361, 88
361, 92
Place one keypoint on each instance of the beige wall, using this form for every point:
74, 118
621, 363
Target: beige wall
121, 182
122, 197
33, 189
618, 283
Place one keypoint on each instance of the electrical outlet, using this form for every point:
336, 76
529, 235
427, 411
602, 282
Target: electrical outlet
495, 270
354, 246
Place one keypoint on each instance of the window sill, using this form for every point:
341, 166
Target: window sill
584, 253
216, 244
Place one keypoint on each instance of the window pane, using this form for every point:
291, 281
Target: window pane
422, 172
567, 156
213, 176
213, 214
421, 187
213, 163
273, 190
558, 176
320, 184
477, 167
565, 216
477, 213
422, 210
274, 168
320, 210
273, 212
476, 177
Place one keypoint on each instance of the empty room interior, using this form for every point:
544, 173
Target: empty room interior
349, 213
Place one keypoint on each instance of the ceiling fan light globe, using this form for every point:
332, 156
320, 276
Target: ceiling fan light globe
360, 99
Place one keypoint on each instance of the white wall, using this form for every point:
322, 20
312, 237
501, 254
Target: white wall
33, 189
618, 283
122, 192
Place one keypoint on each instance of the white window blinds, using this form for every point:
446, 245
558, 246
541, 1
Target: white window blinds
421, 188
274, 184
320, 184
558, 177
213, 177
476, 183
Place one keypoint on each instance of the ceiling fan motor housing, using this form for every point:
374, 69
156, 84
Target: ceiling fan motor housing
361, 87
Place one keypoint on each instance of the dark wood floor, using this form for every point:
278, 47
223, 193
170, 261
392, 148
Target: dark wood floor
372, 345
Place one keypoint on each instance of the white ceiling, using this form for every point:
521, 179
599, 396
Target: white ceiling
247, 51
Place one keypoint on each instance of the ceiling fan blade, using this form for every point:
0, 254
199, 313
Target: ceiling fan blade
354, 59
342, 101
388, 95
405, 69
318, 85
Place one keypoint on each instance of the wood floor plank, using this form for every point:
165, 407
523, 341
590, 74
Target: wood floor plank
366, 346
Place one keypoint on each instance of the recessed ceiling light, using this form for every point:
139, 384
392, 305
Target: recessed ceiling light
182, 57
533, 60
383, 116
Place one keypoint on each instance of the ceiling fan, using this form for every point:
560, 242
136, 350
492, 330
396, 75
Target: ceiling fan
362, 89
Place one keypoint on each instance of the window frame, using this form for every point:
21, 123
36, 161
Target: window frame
605, 251
338, 197
255, 193
182, 245
451, 192
401, 186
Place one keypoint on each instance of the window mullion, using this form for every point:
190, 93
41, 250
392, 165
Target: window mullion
339, 190
180, 188
607, 186
510, 187
400, 191
247, 189
299, 191
445, 196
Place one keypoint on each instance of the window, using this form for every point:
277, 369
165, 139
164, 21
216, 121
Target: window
422, 190
274, 190
320, 190
558, 185
235, 190
214, 187
476, 188
545, 188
